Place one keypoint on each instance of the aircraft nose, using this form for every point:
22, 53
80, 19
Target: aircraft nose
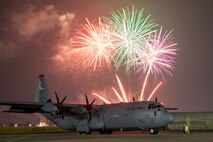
168, 118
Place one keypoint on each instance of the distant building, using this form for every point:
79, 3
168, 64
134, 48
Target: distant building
11, 125
2, 125
43, 122
196, 120
28, 124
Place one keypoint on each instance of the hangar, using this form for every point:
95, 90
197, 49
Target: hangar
197, 120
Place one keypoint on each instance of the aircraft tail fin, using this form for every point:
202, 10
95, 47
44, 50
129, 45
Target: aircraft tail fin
42, 92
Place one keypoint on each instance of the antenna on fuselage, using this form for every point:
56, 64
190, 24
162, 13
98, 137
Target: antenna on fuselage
133, 99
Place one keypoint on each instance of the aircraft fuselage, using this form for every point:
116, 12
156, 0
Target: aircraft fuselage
121, 116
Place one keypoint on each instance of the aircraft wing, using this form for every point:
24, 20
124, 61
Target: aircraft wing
79, 108
32, 107
22, 107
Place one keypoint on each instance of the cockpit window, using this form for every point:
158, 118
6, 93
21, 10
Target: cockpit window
154, 106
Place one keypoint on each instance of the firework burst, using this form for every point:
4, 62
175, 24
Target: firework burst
131, 28
93, 44
127, 39
158, 56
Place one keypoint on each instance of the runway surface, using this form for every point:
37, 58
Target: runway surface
115, 137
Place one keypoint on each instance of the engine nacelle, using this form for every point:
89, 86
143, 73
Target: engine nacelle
49, 108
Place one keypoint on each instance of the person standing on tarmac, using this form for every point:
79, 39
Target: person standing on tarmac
186, 128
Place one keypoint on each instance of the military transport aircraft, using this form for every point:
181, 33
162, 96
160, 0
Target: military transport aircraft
141, 115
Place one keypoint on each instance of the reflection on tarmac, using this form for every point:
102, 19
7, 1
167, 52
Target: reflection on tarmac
206, 136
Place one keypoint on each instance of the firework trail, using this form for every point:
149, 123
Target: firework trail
93, 44
124, 99
154, 90
122, 89
131, 28
102, 98
158, 56
118, 95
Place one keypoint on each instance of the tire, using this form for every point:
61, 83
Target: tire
101, 132
85, 133
88, 133
153, 131
105, 131
108, 132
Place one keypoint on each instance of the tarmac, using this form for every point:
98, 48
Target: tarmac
174, 136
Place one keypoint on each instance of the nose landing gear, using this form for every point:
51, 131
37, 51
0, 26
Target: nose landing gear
153, 131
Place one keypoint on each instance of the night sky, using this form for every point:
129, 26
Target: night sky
35, 35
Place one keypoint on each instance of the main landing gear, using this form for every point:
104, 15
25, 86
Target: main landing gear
85, 133
153, 131
105, 131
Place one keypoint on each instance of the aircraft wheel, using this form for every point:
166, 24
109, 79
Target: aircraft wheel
80, 133
156, 131
101, 131
105, 131
85, 133
88, 133
153, 131
108, 132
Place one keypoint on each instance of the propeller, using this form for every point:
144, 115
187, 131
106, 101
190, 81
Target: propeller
89, 106
59, 105
156, 100
167, 108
